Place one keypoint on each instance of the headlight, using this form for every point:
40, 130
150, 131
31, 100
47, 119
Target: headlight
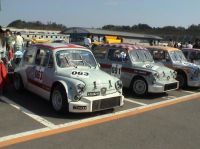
173, 73
156, 75
118, 85
80, 88
196, 73
163, 74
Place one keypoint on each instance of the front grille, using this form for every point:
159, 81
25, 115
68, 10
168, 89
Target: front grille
106, 103
170, 86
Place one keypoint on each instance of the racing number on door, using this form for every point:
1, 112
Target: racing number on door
38, 74
39, 71
116, 70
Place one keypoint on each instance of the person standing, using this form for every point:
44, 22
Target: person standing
19, 42
9, 47
170, 43
189, 45
87, 42
3, 71
197, 44
2, 45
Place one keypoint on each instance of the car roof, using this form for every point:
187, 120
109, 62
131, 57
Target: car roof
54, 46
126, 46
164, 48
191, 49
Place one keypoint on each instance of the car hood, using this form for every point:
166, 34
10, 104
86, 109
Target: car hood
155, 67
88, 76
187, 65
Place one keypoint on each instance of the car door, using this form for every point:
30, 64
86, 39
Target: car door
119, 64
27, 62
39, 75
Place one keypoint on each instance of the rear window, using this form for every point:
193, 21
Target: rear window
100, 52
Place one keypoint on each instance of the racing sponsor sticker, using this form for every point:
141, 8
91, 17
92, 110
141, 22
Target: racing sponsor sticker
38, 76
93, 93
151, 67
116, 70
80, 74
80, 107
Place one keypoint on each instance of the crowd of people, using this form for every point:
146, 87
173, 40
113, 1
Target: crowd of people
9, 44
188, 44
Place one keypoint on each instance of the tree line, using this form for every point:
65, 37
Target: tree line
37, 25
192, 31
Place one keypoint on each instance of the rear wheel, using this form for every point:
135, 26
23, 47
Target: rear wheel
59, 99
139, 87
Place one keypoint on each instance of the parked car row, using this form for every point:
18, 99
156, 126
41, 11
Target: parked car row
72, 80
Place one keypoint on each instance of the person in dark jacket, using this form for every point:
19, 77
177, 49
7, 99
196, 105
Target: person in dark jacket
197, 44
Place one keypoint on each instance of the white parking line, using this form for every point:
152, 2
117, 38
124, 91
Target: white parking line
139, 103
188, 92
169, 97
26, 133
29, 113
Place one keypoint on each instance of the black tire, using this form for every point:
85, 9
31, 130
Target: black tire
139, 87
59, 100
181, 77
18, 83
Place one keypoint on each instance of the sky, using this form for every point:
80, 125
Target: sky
97, 13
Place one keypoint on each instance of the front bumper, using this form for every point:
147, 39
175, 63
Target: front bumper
160, 87
96, 103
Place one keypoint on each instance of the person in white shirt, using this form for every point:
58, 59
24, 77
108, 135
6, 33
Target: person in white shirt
87, 42
19, 42
189, 45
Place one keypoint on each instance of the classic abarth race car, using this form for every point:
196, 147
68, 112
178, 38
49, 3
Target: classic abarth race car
188, 74
134, 65
69, 77
192, 55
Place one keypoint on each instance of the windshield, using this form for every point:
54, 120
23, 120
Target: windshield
74, 58
141, 55
195, 55
177, 56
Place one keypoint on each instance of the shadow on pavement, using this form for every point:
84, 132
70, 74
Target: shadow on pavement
41, 107
150, 96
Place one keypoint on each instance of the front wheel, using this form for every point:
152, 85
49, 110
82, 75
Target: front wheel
182, 80
59, 99
139, 87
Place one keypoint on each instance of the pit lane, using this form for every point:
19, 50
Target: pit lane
28, 112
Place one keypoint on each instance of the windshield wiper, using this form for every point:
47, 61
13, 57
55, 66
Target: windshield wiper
85, 62
70, 63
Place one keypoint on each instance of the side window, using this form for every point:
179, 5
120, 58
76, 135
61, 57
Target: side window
29, 55
159, 55
192, 56
42, 57
185, 53
197, 55
119, 55
99, 52
167, 57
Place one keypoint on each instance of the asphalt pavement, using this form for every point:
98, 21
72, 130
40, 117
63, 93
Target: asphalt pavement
154, 121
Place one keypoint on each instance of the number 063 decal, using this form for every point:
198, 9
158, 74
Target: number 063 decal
80, 74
